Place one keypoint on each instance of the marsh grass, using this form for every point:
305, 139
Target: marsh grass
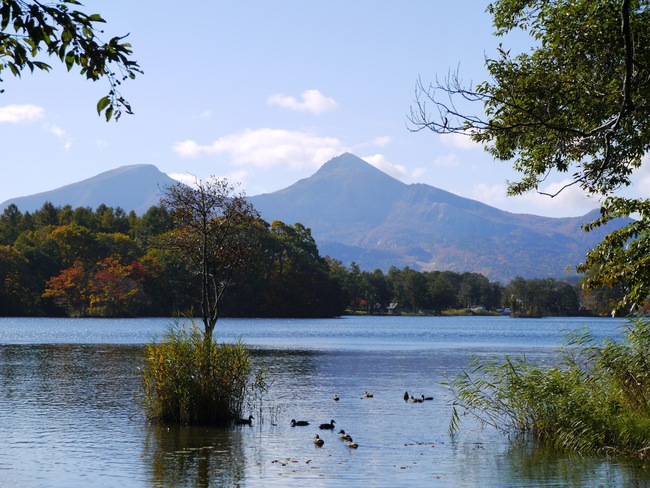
193, 380
594, 400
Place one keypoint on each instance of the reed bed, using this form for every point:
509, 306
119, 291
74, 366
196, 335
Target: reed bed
193, 380
595, 399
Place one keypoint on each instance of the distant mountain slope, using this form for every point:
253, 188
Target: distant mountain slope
135, 187
358, 213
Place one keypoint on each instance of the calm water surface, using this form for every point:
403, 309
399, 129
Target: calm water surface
70, 412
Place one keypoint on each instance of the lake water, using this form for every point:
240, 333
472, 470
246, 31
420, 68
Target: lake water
70, 415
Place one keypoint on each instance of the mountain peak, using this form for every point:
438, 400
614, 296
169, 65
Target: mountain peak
348, 165
345, 160
134, 187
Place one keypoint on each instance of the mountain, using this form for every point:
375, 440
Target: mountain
136, 187
358, 213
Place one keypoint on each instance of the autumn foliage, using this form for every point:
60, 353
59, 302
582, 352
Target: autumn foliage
106, 263
109, 290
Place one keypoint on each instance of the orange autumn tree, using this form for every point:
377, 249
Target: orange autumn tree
112, 289
70, 290
115, 287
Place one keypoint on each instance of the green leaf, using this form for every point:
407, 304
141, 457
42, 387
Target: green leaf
69, 60
96, 18
42, 66
14, 69
102, 104
109, 114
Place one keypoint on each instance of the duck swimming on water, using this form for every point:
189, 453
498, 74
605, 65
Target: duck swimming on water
318, 441
329, 426
343, 436
247, 421
295, 422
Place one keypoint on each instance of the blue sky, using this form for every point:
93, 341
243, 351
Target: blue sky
263, 93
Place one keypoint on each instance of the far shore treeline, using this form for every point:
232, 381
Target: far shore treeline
60, 261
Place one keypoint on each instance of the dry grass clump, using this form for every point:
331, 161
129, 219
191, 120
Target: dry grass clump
188, 379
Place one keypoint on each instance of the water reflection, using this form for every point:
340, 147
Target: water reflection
194, 456
529, 464
70, 416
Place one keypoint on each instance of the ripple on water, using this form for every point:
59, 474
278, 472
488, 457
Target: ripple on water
70, 417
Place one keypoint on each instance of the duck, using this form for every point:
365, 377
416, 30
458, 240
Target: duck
416, 400
352, 444
406, 396
329, 426
427, 398
295, 422
247, 421
318, 441
368, 395
336, 398
343, 436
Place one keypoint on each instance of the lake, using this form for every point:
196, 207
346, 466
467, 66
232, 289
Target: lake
71, 415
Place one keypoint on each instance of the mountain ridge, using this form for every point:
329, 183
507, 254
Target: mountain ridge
366, 216
133, 187
358, 213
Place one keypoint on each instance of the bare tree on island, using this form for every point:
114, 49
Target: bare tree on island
216, 231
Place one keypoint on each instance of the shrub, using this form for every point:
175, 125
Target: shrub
190, 379
595, 399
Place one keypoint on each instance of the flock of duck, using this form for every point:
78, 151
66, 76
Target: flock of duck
344, 436
318, 441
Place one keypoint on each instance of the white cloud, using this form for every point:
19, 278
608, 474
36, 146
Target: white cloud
534, 203
14, 114
381, 163
419, 172
494, 195
446, 161
57, 131
236, 178
188, 149
267, 148
313, 101
459, 141
186, 178
382, 141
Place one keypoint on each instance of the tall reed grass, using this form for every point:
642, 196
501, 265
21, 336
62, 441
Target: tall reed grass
193, 380
594, 400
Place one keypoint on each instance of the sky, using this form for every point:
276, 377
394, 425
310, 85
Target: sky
263, 93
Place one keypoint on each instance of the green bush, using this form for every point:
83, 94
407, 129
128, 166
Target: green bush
594, 400
188, 379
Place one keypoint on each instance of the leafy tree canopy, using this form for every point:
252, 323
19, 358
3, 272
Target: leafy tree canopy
577, 102
28, 29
